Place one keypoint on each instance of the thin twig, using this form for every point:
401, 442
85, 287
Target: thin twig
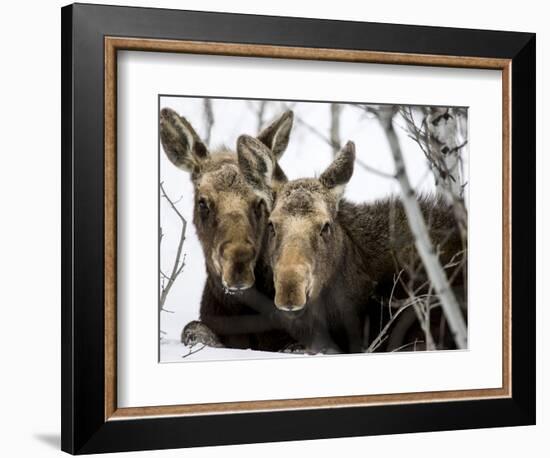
208, 118
192, 352
329, 142
408, 345
395, 281
335, 141
178, 265
382, 335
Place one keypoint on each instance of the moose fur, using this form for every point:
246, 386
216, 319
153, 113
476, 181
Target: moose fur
233, 196
330, 257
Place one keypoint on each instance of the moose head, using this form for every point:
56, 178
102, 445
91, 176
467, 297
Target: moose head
233, 193
305, 238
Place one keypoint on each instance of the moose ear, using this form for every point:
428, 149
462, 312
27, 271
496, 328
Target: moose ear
256, 162
181, 143
338, 174
276, 135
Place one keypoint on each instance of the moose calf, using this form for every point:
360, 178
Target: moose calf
233, 196
328, 256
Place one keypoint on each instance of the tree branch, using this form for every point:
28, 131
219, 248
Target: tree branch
179, 262
192, 352
208, 118
421, 236
335, 142
382, 336
329, 142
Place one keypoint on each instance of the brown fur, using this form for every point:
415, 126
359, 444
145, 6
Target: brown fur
230, 216
329, 256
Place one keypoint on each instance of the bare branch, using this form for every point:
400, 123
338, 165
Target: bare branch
329, 142
395, 282
382, 336
192, 352
259, 109
402, 347
335, 142
208, 119
179, 262
422, 311
261, 115
421, 236
439, 137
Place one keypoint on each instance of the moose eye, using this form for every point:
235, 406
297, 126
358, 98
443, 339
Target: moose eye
325, 230
203, 205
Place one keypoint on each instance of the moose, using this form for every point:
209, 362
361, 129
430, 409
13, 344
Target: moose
329, 256
292, 264
233, 195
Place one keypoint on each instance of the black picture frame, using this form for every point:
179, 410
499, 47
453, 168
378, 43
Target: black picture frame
84, 428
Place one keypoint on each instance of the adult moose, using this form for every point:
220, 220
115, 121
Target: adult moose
233, 196
330, 256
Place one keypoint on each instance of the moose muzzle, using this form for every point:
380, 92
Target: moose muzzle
237, 265
292, 288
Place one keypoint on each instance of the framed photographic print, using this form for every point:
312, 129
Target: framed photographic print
281, 228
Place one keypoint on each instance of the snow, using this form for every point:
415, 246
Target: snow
173, 351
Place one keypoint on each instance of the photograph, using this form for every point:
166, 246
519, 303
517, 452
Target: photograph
292, 228
283, 228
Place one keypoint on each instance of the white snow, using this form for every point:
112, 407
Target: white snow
173, 351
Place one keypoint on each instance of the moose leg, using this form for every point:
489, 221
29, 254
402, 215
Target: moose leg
354, 331
347, 331
196, 332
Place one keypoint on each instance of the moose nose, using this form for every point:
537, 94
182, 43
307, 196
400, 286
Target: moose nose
237, 265
291, 290
238, 286
241, 253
